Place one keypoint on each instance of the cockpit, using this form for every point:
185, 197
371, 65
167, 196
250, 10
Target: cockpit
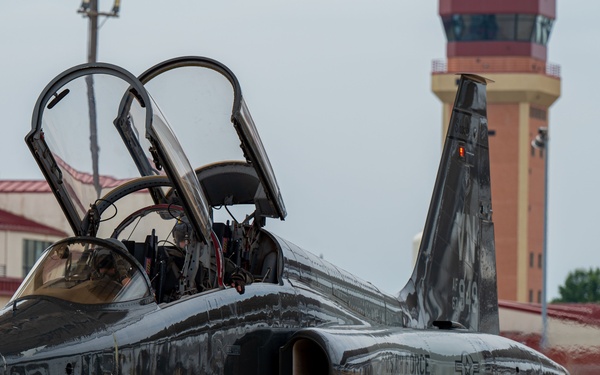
114, 160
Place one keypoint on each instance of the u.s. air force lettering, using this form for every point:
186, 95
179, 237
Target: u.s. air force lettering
401, 364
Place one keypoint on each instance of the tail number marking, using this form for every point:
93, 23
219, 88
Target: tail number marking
464, 294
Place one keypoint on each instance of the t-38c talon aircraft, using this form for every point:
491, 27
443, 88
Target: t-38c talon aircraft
170, 270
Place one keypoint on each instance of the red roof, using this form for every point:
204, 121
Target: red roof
8, 286
584, 313
41, 186
24, 186
16, 223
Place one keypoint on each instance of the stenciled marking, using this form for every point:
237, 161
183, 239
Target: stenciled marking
466, 365
464, 287
464, 292
467, 226
463, 126
406, 364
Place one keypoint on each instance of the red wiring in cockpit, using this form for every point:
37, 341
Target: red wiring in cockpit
218, 258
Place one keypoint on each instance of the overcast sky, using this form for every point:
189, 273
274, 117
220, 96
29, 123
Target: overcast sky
340, 91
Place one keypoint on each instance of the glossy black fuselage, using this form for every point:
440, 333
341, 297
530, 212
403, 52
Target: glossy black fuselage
221, 331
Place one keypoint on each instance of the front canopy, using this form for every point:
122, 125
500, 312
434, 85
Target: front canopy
96, 129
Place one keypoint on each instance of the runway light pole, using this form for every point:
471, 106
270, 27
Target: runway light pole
540, 142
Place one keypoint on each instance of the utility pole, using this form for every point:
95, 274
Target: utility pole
541, 142
89, 8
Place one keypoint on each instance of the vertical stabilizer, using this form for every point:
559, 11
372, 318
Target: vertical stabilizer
454, 280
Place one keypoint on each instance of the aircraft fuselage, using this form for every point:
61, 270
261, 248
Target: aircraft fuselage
221, 331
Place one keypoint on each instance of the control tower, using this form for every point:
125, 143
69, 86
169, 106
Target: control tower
507, 42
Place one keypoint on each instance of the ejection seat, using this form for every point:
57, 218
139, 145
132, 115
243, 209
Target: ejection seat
263, 263
231, 183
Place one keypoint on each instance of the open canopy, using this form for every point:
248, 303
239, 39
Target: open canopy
98, 131
202, 100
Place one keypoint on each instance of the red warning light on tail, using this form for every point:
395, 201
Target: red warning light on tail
461, 151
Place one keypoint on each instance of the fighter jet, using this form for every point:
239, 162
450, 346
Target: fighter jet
167, 187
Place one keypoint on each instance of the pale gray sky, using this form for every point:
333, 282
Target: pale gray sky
340, 92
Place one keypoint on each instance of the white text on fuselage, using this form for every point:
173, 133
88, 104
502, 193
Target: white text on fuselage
401, 364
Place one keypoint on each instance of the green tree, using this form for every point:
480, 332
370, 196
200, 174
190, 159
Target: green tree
581, 286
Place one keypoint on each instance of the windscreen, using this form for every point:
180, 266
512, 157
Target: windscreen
86, 272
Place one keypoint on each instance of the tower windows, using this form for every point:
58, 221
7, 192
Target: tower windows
499, 27
537, 113
531, 256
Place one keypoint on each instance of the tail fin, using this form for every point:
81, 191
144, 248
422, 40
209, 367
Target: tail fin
454, 280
